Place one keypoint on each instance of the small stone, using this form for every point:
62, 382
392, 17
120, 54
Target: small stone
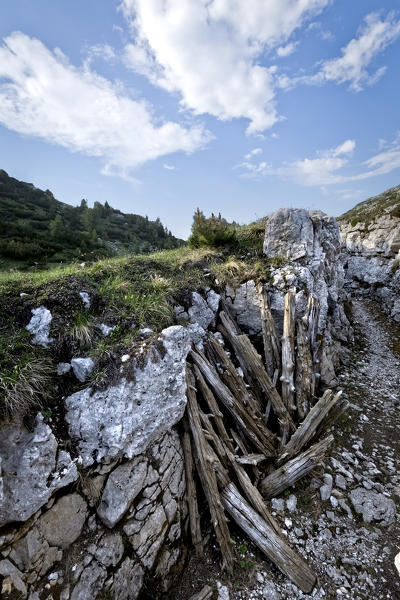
278, 504
85, 299
291, 503
125, 357
63, 368
39, 326
82, 368
146, 332
106, 329
326, 489
340, 482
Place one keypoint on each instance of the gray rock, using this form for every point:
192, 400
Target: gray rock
13, 578
63, 523
245, 306
340, 482
85, 299
128, 581
31, 469
278, 504
39, 326
291, 503
110, 549
63, 368
270, 592
106, 329
289, 234
213, 300
200, 312
124, 419
122, 487
82, 368
90, 582
326, 489
373, 506
146, 332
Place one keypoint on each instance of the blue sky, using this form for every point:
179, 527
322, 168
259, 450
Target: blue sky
163, 106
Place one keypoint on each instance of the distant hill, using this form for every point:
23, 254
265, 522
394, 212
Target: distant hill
387, 203
37, 228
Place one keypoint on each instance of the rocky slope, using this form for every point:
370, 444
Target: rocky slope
371, 249
93, 494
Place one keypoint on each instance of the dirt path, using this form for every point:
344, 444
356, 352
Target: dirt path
352, 552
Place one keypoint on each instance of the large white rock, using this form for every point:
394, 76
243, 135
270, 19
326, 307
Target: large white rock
32, 470
82, 368
125, 418
39, 326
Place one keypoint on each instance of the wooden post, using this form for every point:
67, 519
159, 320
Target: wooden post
194, 517
207, 475
287, 377
272, 350
256, 375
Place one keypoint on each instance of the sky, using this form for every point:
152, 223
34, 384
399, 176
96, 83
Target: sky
233, 106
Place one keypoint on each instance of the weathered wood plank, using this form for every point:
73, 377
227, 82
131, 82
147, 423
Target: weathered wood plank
194, 516
273, 546
304, 369
293, 470
207, 475
205, 594
256, 432
256, 375
287, 377
307, 430
272, 349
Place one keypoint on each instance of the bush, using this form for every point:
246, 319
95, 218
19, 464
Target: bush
212, 232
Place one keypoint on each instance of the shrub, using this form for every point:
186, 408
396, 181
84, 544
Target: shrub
212, 232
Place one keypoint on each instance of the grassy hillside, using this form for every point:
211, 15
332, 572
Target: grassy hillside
37, 228
373, 208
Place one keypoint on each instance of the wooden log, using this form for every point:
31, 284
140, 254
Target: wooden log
223, 454
250, 459
287, 475
207, 475
213, 407
194, 516
205, 594
313, 312
272, 349
287, 377
229, 375
304, 369
256, 375
274, 547
256, 432
334, 414
307, 430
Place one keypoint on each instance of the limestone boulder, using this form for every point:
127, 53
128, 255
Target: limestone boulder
32, 469
125, 418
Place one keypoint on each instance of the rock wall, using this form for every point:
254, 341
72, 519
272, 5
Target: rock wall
308, 245
109, 512
371, 259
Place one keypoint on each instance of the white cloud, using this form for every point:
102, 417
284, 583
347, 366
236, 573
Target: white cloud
43, 95
327, 167
252, 153
352, 67
284, 51
208, 51
169, 167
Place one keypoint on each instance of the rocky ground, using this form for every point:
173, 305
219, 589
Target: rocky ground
343, 519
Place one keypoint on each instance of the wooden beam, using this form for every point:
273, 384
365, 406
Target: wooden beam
272, 347
287, 377
289, 473
273, 546
194, 516
207, 475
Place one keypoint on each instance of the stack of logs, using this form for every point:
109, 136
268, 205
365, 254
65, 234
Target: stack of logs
254, 431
